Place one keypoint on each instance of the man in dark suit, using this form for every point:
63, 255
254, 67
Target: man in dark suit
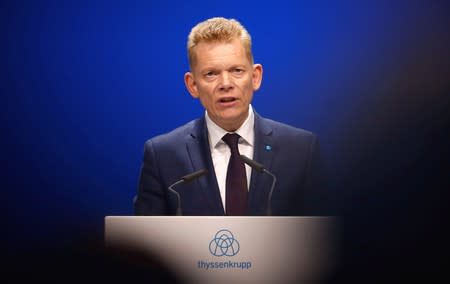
223, 77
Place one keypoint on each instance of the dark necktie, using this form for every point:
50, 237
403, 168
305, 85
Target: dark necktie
236, 183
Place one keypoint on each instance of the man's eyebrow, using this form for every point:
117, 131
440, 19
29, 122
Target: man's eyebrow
209, 68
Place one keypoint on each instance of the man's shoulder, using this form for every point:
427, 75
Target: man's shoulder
177, 135
284, 129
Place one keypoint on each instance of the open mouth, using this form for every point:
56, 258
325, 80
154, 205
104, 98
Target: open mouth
227, 100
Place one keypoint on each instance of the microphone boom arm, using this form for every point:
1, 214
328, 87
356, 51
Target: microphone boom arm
260, 168
178, 212
269, 203
185, 179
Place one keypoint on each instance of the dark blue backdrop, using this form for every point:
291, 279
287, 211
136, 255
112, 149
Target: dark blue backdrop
85, 83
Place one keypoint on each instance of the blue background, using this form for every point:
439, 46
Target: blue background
85, 83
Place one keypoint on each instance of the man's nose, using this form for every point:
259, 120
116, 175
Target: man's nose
226, 83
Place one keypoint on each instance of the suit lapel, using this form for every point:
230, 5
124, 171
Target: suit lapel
198, 150
263, 154
197, 146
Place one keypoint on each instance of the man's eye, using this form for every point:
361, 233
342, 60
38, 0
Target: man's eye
210, 74
238, 71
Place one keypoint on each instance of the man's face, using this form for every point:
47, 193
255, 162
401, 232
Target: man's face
224, 80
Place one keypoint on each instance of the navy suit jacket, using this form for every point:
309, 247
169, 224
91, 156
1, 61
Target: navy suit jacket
292, 156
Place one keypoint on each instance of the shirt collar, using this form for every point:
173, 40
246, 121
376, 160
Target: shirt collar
246, 131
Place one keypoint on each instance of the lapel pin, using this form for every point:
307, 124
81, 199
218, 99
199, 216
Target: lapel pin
268, 148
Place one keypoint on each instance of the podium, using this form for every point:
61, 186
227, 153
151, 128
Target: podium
228, 250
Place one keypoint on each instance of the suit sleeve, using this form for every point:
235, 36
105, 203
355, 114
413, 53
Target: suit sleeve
317, 198
151, 198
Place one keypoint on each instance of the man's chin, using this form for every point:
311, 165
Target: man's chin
231, 122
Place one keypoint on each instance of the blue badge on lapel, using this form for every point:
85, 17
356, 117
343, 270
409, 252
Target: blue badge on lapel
268, 148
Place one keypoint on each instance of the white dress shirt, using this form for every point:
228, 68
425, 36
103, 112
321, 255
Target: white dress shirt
220, 152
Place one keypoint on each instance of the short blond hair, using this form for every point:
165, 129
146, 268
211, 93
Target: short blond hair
221, 30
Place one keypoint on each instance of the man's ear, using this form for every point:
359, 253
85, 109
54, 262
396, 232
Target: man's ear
189, 81
257, 76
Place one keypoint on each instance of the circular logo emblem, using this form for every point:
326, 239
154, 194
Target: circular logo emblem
224, 243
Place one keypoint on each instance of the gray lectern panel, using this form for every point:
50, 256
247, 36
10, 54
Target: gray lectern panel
233, 249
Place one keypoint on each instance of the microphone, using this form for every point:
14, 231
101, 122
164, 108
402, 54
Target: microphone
260, 168
185, 179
